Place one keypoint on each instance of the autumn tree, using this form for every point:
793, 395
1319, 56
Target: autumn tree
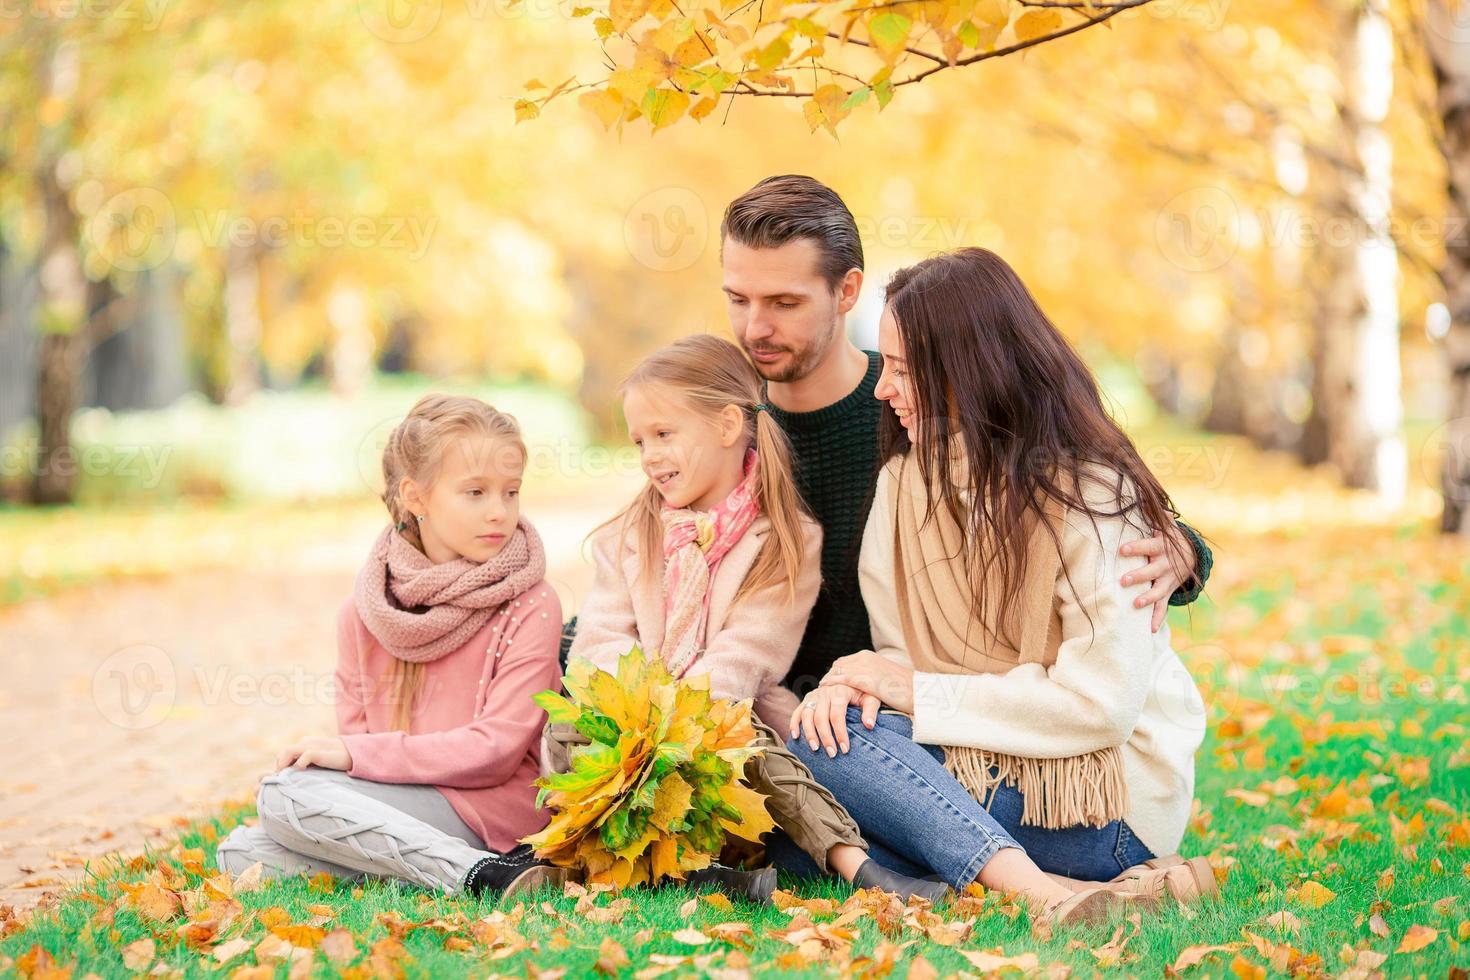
54, 104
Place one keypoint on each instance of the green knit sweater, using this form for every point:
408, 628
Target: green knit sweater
836, 458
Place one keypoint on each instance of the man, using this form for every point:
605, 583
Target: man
792, 265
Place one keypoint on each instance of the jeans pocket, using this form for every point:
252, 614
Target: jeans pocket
1129, 850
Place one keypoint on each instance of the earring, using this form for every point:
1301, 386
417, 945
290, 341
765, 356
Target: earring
420, 518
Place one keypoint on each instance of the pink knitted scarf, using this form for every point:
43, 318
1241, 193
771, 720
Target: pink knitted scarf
694, 544
420, 611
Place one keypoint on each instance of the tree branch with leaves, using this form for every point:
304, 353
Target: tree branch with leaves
669, 61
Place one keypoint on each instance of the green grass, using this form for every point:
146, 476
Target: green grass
1331, 648
1289, 664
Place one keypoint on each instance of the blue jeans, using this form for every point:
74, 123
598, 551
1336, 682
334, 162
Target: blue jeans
909, 806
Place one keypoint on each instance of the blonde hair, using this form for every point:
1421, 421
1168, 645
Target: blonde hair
712, 374
416, 448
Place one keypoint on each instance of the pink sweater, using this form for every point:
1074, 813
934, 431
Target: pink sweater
749, 645
475, 734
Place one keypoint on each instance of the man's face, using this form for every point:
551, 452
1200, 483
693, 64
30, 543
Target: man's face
781, 309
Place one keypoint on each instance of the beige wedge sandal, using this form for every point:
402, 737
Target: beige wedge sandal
1088, 908
1185, 880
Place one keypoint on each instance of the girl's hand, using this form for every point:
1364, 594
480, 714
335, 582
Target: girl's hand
865, 671
822, 716
327, 751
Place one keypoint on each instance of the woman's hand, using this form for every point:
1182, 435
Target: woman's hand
891, 683
822, 716
1171, 563
327, 751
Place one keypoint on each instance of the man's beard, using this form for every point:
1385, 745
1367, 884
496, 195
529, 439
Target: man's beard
802, 361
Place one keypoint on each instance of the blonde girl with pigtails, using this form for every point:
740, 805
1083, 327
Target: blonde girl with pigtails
715, 566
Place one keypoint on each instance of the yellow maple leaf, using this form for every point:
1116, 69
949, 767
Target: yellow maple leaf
1416, 939
1314, 895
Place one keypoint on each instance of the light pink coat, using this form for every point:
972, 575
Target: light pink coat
748, 646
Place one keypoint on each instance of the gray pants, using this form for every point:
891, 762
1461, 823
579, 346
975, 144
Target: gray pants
314, 820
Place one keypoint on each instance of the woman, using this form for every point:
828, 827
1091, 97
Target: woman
1041, 735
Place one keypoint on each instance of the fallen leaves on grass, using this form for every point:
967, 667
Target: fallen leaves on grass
1416, 938
1314, 895
1195, 955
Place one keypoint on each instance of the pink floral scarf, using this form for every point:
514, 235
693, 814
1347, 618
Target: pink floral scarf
695, 542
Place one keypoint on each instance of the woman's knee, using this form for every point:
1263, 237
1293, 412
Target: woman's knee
825, 766
889, 730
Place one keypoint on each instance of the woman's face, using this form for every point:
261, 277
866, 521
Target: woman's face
895, 386
692, 459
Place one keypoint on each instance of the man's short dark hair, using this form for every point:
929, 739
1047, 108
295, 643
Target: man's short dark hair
789, 207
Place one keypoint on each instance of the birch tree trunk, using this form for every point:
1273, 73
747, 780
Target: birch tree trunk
1448, 45
1359, 380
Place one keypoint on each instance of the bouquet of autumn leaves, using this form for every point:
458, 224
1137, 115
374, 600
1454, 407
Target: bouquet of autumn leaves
658, 788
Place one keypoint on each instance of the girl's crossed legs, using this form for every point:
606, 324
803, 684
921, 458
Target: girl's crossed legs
314, 820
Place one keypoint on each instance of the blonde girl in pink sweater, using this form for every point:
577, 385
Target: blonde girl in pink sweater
715, 566
450, 630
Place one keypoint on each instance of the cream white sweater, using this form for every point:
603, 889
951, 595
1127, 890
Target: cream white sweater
1114, 681
749, 645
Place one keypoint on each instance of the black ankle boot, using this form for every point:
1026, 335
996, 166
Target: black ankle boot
752, 886
874, 875
512, 873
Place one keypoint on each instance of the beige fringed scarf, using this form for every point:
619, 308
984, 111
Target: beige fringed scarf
947, 634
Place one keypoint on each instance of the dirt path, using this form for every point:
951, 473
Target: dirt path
128, 708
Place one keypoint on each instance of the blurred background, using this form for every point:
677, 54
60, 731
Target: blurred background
238, 241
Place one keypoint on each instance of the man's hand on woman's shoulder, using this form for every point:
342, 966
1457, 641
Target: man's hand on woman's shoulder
1172, 562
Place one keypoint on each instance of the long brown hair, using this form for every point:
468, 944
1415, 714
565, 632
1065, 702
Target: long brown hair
995, 379
711, 374
415, 449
